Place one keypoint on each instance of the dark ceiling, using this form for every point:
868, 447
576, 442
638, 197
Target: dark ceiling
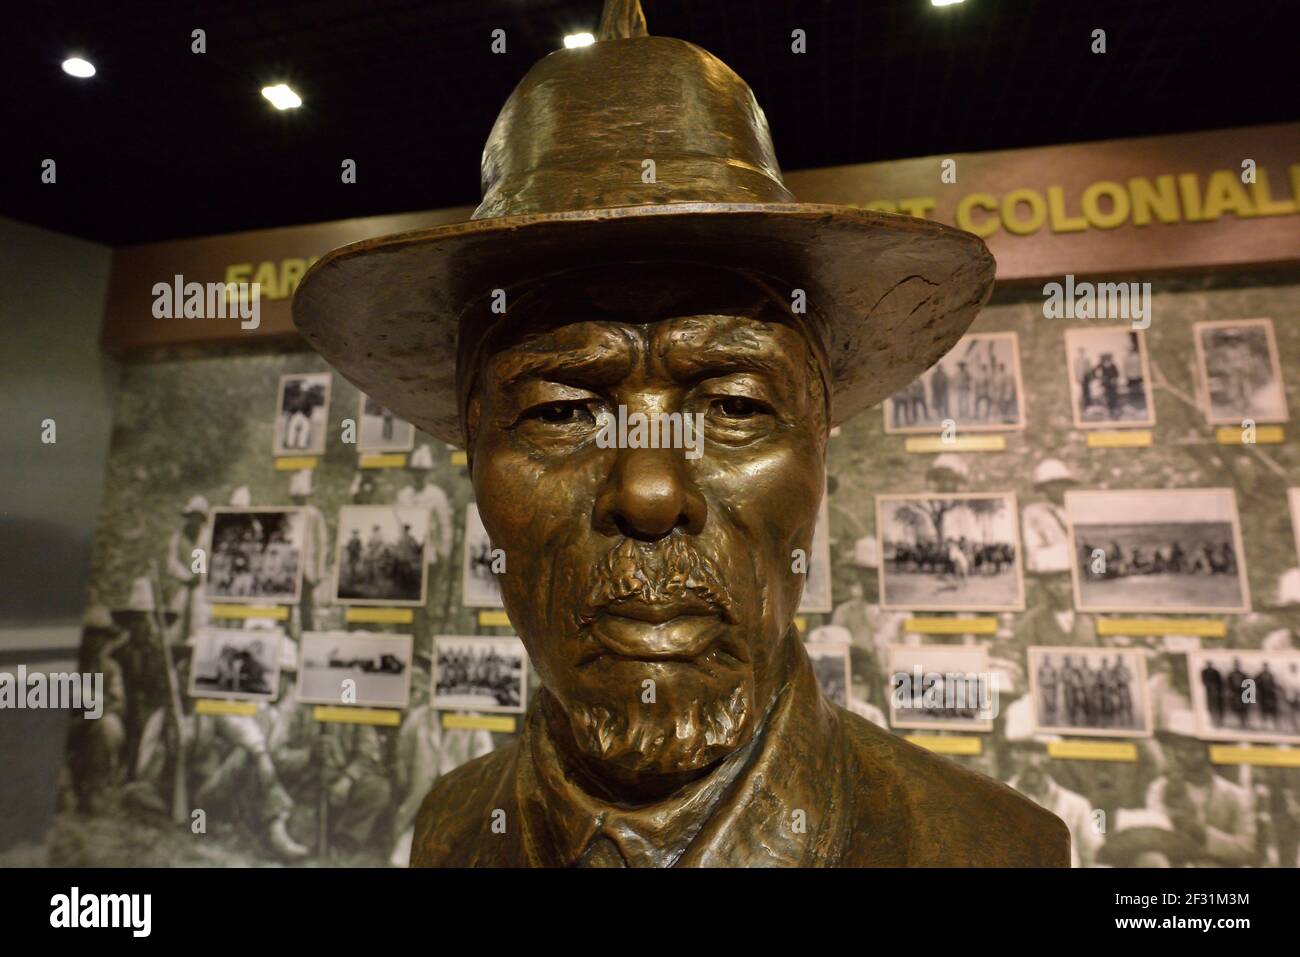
164, 143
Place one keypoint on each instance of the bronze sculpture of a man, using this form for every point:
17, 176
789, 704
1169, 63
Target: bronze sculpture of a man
636, 252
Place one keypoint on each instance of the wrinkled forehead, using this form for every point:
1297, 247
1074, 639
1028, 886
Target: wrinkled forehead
686, 313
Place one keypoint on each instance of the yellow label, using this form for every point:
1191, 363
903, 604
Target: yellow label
951, 626
801, 623
946, 743
1268, 757
494, 618
1137, 627
386, 616
1093, 750
1264, 435
221, 706
1136, 438
275, 612
487, 722
958, 443
294, 463
393, 460
458, 457
327, 712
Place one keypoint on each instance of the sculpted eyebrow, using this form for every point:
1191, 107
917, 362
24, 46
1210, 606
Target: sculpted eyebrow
587, 366
702, 363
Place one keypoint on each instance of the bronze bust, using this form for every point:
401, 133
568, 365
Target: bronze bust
637, 252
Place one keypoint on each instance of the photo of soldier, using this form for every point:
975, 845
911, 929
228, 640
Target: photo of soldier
1109, 377
1241, 695
1090, 691
1240, 375
100, 746
982, 371
302, 413
381, 558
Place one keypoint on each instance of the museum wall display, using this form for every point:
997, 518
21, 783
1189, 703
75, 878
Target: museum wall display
197, 431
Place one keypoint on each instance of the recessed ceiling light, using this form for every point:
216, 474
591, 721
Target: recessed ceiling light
943, 3
281, 97
578, 40
76, 66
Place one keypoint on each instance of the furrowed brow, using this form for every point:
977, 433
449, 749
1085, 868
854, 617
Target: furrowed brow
599, 366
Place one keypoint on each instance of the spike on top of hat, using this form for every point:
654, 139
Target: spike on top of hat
622, 19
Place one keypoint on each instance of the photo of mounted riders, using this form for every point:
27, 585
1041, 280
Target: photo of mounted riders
1110, 381
942, 688
479, 674
378, 430
243, 665
1099, 692
256, 555
355, 668
1239, 374
950, 552
479, 585
977, 387
1172, 550
830, 661
302, 413
1245, 695
381, 555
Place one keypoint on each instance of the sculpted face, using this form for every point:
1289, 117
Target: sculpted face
651, 589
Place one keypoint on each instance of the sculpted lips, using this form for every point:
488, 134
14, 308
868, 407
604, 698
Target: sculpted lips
681, 628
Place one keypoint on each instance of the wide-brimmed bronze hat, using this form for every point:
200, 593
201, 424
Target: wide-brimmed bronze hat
566, 184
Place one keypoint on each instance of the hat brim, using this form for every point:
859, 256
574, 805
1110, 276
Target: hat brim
895, 293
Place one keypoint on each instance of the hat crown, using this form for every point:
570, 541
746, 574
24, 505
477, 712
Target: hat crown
578, 129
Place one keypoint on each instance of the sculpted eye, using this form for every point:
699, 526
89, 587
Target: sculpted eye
738, 407
559, 413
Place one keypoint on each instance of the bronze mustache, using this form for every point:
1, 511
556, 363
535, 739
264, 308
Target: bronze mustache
670, 574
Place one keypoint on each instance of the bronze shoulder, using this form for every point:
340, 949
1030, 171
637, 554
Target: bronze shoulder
918, 809
457, 813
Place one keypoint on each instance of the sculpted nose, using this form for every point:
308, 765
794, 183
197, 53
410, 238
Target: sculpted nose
649, 494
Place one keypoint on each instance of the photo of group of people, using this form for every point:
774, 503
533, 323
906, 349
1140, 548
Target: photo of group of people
977, 386
942, 687
256, 555
1109, 377
950, 551
1090, 691
230, 663
479, 674
381, 555
1243, 695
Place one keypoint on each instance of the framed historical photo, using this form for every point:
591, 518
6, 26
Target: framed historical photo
1240, 375
816, 597
830, 661
355, 668
1110, 377
1095, 692
479, 585
381, 555
977, 385
379, 430
238, 664
1167, 550
480, 674
941, 688
256, 555
302, 413
950, 552
1240, 695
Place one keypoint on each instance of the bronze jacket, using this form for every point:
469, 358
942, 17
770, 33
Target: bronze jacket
817, 787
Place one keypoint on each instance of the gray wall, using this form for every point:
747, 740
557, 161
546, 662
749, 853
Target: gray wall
52, 291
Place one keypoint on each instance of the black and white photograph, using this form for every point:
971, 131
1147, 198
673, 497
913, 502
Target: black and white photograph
1110, 377
1167, 550
977, 385
941, 688
381, 555
379, 430
830, 661
479, 585
1240, 377
1096, 692
355, 668
1245, 695
256, 555
302, 413
479, 674
230, 663
817, 586
950, 552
